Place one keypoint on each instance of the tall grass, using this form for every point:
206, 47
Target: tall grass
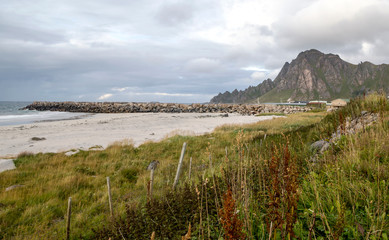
260, 175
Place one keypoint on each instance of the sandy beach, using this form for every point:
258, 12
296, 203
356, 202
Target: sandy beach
104, 129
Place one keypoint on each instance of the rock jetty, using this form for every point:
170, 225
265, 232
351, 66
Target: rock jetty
130, 107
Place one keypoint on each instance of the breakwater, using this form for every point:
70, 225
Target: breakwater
130, 107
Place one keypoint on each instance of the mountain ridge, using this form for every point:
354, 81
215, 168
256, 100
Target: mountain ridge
313, 75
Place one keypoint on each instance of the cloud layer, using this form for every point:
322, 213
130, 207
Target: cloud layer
173, 51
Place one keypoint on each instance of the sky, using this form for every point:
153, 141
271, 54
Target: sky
171, 50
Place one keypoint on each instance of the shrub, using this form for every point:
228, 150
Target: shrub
25, 154
130, 174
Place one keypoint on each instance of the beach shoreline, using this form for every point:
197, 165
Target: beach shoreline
103, 129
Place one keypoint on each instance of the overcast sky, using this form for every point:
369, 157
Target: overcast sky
170, 50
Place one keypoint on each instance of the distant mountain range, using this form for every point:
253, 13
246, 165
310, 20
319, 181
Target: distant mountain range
314, 75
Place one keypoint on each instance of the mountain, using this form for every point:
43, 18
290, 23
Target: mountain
314, 75
247, 95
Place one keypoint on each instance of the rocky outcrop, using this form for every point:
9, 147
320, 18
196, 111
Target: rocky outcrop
314, 75
349, 126
123, 107
320, 146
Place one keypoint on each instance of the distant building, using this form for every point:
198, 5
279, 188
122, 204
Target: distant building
316, 103
339, 102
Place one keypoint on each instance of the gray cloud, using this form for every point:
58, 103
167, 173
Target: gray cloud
203, 65
329, 31
175, 13
265, 30
172, 50
8, 31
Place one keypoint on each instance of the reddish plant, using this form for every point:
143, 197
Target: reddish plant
342, 122
290, 194
283, 193
230, 221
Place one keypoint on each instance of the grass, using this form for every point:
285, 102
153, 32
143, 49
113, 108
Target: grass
276, 190
275, 97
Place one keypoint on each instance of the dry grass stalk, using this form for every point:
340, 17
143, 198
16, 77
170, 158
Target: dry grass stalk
340, 223
312, 226
206, 208
274, 216
188, 234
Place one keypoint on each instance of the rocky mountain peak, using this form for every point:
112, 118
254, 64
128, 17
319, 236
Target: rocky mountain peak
312, 54
313, 75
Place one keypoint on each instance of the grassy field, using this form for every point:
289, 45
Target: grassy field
254, 181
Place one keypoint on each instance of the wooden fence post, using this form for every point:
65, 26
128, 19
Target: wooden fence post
151, 182
179, 165
109, 196
68, 220
190, 167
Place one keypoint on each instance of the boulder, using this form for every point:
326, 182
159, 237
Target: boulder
13, 187
320, 146
70, 153
6, 164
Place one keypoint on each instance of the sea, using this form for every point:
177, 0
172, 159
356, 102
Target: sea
10, 114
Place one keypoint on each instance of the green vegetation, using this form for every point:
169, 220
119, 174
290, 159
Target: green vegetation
275, 97
258, 181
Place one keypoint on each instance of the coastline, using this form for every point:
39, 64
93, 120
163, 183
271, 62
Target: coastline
30, 117
101, 130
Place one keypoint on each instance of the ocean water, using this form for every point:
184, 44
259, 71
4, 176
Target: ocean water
11, 115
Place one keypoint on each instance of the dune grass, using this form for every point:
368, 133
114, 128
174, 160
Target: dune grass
277, 189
